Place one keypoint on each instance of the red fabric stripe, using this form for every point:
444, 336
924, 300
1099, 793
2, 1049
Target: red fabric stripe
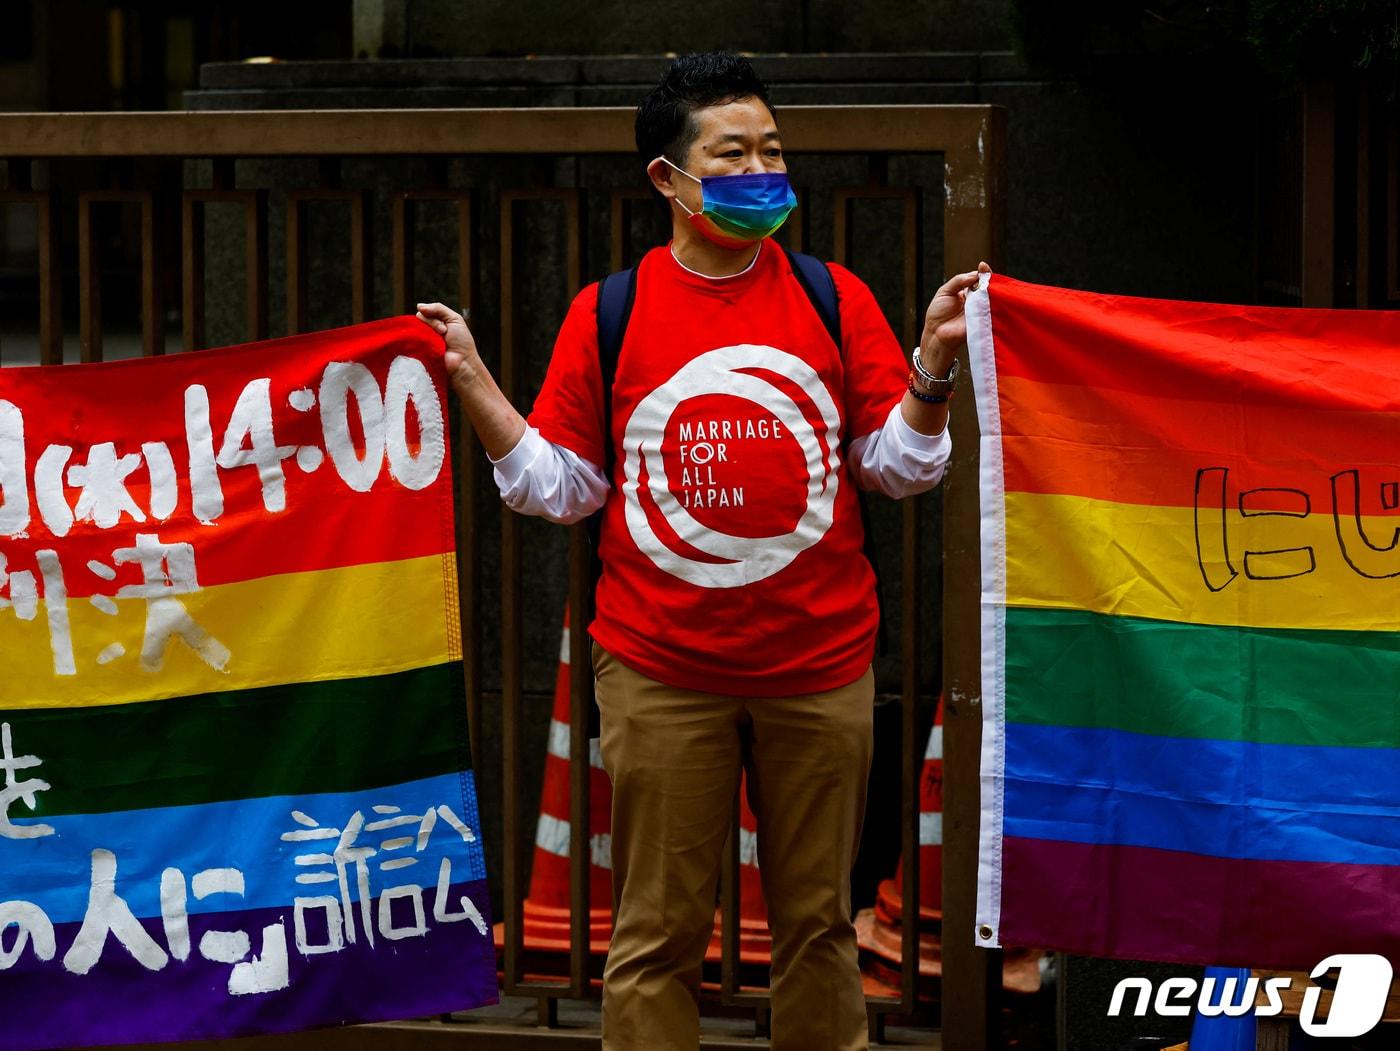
1278, 356
325, 525
1149, 904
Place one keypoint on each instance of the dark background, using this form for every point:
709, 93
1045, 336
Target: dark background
1159, 149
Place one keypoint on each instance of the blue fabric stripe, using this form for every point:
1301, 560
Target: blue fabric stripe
1235, 799
54, 871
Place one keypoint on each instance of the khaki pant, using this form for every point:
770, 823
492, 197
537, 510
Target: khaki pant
674, 757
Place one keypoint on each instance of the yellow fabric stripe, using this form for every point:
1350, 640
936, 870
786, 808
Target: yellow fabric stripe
1137, 560
298, 627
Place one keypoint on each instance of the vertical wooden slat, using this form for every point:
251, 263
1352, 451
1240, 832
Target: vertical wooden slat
512, 632
361, 258
19, 175
468, 500
911, 545
192, 271
620, 252
1392, 210
89, 285
512, 628
973, 229
796, 226
910, 648
50, 315
840, 227
580, 768
1319, 194
400, 250
50, 283
619, 241
89, 273
1363, 196
255, 265
296, 262
580, 690
468, 447
730, 907
910, 664
580, 695
152, 305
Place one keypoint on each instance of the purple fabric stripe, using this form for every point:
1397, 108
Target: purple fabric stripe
1145, 903
42, 1005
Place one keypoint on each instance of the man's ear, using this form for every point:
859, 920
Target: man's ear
662, 177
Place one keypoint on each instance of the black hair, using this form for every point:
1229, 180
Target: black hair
665, 119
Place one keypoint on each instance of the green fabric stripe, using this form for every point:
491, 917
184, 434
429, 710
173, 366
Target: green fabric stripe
337, 736
1270, 686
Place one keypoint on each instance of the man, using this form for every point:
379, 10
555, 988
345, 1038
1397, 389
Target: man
736, 612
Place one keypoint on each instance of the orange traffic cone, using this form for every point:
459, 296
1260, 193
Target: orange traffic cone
879, 930
546, 907
755, 941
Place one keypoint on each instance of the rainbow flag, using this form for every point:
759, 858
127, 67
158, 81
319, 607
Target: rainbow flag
1190, 627
237, 794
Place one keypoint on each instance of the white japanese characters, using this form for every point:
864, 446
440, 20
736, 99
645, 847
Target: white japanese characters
321, 924
400, 425
17, 791
335, 927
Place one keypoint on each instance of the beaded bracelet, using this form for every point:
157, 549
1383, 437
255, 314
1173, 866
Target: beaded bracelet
931, 399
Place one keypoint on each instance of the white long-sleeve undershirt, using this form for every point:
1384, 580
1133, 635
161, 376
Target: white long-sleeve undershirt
538, 477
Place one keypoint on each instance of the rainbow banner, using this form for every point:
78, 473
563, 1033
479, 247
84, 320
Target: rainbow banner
237, 793
1190, 627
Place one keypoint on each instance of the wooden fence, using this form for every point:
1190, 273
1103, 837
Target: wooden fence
148, 162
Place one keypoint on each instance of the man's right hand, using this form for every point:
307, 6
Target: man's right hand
497, 423
462, 360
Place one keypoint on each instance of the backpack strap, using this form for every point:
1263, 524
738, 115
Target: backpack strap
816, 280
616, 294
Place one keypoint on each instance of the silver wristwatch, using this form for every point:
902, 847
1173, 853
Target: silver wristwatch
936, 384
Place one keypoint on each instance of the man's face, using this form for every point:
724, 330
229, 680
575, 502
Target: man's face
736, 138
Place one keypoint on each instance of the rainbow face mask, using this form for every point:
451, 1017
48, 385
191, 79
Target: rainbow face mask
738, 210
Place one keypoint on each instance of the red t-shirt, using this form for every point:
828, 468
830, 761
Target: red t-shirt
731, 542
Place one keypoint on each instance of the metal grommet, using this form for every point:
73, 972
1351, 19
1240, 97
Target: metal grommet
985, 932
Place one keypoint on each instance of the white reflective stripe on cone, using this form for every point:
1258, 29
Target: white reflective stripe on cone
931, 830
564, 647
748, 847
552, 836
559, 744
935, 744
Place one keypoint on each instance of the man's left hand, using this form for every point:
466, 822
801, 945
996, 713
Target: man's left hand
945, 323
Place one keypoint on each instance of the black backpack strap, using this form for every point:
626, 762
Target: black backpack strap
616, 293
816, 280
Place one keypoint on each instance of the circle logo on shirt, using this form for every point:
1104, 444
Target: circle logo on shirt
739, 560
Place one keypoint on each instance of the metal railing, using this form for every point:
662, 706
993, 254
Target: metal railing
39, 148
